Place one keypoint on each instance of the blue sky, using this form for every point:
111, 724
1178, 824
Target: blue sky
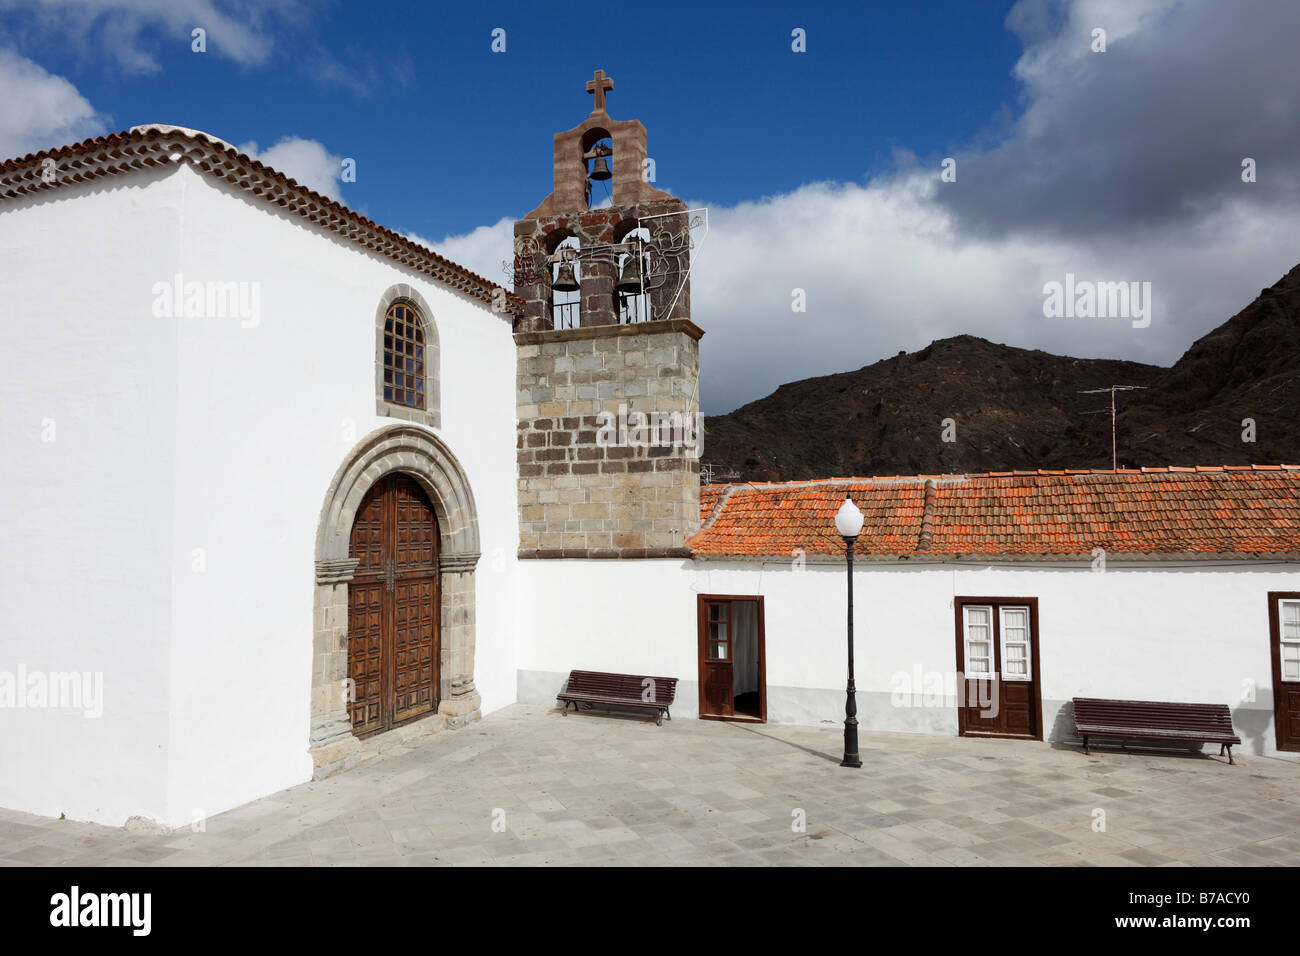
449, 135
820, 169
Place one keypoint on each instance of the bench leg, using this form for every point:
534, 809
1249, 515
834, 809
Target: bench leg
1085, 746
1229, 746
659, 719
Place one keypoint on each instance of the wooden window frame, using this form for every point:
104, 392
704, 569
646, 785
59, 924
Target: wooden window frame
1028, 642
1275, 599
992, 638
403, 363
1283, 640
430, 414
729, 640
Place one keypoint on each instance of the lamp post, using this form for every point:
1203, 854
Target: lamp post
848, 522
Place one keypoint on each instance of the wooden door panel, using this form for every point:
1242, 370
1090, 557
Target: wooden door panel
719, 690
365, 655
1017, 710
981, 706
415, 647
416, 529
1288, 716
393, 607
367, 543
717, 684
1291, 701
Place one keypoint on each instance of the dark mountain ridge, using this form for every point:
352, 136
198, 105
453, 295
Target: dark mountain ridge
1014, 409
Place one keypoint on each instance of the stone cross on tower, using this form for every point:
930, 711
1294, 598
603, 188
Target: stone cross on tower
598, 86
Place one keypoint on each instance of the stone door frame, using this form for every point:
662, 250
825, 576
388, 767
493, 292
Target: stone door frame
417, 452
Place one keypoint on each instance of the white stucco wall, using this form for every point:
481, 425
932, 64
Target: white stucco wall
1167, 632
266, 414
167, 537
86, 519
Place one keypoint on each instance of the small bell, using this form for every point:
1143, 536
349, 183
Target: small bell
565, 280
600, 170
629, 280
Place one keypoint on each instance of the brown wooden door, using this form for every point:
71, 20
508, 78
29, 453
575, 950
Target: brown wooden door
393, 607
997, 658
1284, 645
716, 679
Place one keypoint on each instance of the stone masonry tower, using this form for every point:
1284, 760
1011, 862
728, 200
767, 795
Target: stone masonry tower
607, 377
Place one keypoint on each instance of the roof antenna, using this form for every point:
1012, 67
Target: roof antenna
1112, 389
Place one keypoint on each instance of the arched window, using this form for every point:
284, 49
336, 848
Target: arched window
566, 304
597, 166
631, 289
406, 358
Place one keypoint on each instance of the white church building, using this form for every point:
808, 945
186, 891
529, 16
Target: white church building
278, 482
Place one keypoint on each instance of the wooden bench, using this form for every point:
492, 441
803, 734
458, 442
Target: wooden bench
619, 690
1152, 720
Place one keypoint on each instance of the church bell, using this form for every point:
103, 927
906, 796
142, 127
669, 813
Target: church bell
564, 279
600, 170
629, 280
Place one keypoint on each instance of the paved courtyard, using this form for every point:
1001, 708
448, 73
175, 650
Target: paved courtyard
526, 786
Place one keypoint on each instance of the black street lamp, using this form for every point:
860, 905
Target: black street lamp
848, 522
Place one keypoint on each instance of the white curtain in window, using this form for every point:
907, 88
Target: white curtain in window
745, 636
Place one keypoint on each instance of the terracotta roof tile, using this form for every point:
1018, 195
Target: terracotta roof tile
1151, 511
159, 146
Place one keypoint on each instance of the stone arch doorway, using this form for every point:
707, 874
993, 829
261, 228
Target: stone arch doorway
418, 456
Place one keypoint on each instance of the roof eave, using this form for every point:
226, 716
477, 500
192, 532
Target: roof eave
1086, 558
159, 146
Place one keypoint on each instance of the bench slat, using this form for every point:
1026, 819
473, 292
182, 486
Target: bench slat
622, 690
1154, 720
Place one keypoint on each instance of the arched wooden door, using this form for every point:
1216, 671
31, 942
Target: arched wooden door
393, 607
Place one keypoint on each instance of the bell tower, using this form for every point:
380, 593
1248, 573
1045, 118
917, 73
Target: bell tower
609, 435
602, 214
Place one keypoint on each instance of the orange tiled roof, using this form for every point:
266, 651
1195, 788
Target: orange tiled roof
159, 146
1204, 510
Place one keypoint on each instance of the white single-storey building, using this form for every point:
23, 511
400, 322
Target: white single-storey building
278, 481
1168, 584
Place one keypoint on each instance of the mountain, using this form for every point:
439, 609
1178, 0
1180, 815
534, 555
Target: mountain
1017, 409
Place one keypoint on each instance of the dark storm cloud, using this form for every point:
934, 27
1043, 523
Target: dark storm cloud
1150, 133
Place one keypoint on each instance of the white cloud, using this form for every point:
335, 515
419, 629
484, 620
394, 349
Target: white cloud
885, 269
306, 160
126, 30
1122, 166
485, 250
39, 110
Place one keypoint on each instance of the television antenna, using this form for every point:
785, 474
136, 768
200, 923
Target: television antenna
1114, 458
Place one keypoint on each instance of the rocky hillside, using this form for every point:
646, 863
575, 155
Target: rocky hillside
1017, 409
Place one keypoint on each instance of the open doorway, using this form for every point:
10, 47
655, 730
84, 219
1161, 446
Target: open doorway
732, 658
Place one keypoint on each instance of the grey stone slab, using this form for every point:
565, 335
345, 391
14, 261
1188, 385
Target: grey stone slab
608, 792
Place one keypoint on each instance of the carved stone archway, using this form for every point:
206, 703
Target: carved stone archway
417, 452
